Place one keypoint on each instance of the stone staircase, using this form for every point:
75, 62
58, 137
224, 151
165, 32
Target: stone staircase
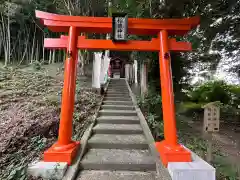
117, 149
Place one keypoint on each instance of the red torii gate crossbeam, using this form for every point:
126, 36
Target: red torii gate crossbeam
100, 44
64, 150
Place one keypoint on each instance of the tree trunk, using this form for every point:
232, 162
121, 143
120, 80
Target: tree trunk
58, 55
5, 27
9, 39
50, 57
43, 49
19, 50
81, 63
53, 56
33, 46
64, 55
0, 46
37, 52
26, 47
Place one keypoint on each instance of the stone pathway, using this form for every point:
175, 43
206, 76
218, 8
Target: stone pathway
117, 149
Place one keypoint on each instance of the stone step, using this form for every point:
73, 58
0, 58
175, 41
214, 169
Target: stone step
118, 107
110, 112
117, 85
107, 94
118, 120
116, 159
117, 94
123, 91
117, 129
113, 141
117, 80
116, 175
117, 99
118, 103
124, 97
117, 89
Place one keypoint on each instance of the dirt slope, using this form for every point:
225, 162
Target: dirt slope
29, 117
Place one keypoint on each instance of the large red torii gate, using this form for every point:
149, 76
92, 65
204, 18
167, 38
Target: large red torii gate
64, 150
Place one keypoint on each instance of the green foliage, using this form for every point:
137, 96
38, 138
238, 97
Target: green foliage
190, 109
224, 170
193, 141
235, 94
228, 95
211, 91
151, 105
52, 100
156, 125
37, 65
18, 169
197, 145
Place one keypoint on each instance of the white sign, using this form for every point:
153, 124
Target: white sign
120, 26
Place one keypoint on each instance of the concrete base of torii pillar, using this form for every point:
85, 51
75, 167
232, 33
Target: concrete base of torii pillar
198, 169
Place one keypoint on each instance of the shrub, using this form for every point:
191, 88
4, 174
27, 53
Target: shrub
228, 95
211, 91
151, 105
235, 94
36, 65
156, 125
190, 109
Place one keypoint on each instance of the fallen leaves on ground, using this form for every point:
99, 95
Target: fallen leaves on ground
29, 118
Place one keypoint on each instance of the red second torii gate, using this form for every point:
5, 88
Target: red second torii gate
64, 150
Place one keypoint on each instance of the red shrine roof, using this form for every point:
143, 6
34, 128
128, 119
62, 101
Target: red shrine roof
138, 26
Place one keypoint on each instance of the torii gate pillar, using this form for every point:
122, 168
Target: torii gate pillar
64, 150
169, 149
